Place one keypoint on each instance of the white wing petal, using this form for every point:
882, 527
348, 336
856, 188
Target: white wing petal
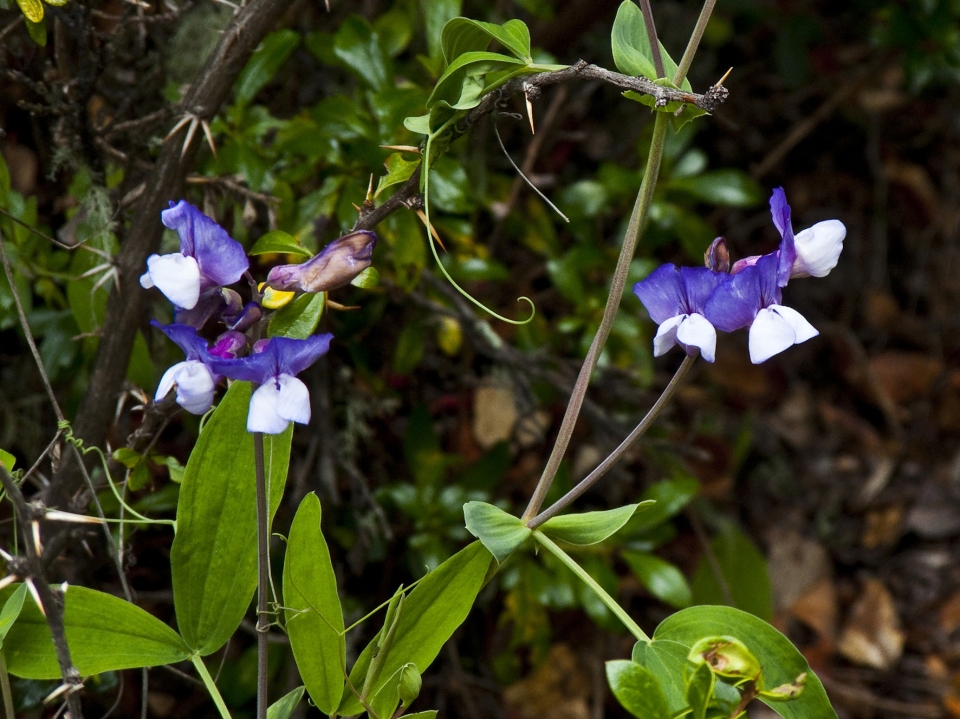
294, 401
770, 334
263, 415
666, 335
697, 331
177, 277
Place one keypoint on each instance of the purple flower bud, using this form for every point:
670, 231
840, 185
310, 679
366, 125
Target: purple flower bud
245, 319
717, 256
228, 345
336, 266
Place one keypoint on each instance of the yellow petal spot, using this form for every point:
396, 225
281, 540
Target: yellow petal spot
274, 299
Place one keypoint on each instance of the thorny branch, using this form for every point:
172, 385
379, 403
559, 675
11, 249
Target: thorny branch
30, 569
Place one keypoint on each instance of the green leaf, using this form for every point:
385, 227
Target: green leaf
589, 527
278, 241
410, 684
7, 460
720, 187
661, 578
401, 688
265, 63
637, 690
501, 533
744, 571
460, 85
670, 496
312, 608
37, 31
726, 656
284, 706
11, 610
410, 347
129, 458
399, 170
300, 318
431, 613
431, 714
782, 663
666, 660
105, 633
419, 124
462, 35
4, 181
214, 553
436, 15
366, 279
359, 48
699, 691
32, 10
632, 53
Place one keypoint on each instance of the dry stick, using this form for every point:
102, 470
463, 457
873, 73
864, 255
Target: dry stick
263, 569
615, 456
618, 282
52, 605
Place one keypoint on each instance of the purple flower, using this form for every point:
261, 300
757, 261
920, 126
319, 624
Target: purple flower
192, 378
811, 253
208, 259
675, 298
335, 266
752, 297
281, 397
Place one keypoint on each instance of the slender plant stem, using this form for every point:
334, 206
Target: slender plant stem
263, 576
694, 42
652, 35
5, 686
640, 210
210, 685
608, 463
611, 603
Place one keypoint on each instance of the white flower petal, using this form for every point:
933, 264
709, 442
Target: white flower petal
146, 282
666, 335
696, 331
195, 387
803, 329
168, 380
263, 415
177, 277
294, 400
818, 249
770, 334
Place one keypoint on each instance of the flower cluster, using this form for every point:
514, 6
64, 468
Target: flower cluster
195, 280
691, 303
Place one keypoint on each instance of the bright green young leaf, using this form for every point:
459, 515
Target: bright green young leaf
300, 318
721, 187
637, 690
32, 9
358, 47
453, 88
400, 689
462, 35
431, 613
265, 63
105, 633
744, 571
129, 458
501, 533
7, 460
312, 608
214, 554
589, 527
11, 610
632, 53
284, 706
399, 169
782, 663
699, 691
278, 241
661, 578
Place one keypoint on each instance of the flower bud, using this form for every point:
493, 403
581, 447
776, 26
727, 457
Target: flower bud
245, 319
717, 257
228, 344
338, 263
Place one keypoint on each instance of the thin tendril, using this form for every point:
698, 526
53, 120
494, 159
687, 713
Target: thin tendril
433, 247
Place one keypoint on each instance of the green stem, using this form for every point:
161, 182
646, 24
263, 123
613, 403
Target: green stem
611, 603
210, 685
640, 211
263, 577
694, 42
5, 686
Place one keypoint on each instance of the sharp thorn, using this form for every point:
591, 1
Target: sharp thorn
209, 134
36, 596
194, 122
533, 130
725, 76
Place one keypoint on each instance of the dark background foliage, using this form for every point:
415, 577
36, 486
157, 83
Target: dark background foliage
829, 477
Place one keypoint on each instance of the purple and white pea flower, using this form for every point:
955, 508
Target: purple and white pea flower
753, 297
675, 298
193, 379
208, 259
335, 266
281, 398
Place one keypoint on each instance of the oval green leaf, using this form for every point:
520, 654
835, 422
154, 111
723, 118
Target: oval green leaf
637, 690
300, 318
462, 35
105, 633
449, 87
661, 578
431, 613
278, 241
589, 527
312, 608
284, 706
265, 63
214, 555
501, 533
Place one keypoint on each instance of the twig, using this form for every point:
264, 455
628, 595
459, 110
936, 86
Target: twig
11, 27
51, 604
